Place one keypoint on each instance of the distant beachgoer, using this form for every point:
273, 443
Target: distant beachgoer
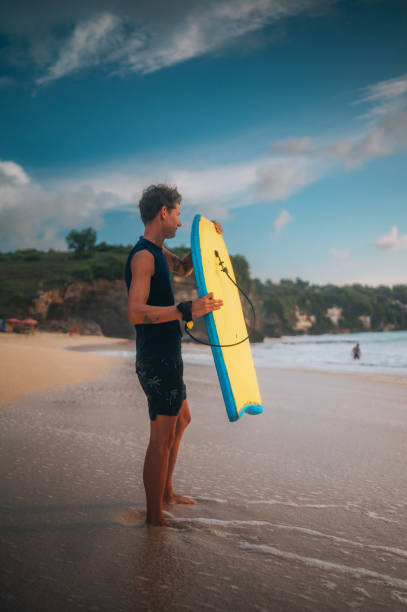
159, 363
356, 351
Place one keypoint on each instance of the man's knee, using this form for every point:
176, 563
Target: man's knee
184, 417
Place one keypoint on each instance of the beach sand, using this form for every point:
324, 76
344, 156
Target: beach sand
301, 508
34, 363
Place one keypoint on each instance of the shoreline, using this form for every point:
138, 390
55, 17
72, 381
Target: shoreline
130, 346
389, 379
45, 360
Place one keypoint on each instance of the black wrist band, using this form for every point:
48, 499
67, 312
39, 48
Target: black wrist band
185, 309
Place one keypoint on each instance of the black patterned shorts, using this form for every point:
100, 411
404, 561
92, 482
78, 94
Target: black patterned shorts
162, 382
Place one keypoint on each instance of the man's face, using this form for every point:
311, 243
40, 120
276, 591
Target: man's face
172, 221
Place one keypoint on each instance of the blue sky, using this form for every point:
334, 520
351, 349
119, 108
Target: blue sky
285, 120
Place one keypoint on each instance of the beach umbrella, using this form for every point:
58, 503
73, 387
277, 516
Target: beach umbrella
13, 322
32, 323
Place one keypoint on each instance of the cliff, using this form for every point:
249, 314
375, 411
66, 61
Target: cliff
88, 294
100, 307
97, 307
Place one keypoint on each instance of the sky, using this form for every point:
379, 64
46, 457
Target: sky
285, 120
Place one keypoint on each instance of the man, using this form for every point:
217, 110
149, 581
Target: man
356, 351
159, 364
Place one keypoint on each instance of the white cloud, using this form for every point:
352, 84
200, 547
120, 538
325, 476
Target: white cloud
215, 190
292, 146
340, 253
91, 43
212, 188
385, 90
278, 179
136, 41
379, 142
32, 217
12, 174
385, 138
392, 240
385, 97
283, 219
385, 133
388, 128
209, 28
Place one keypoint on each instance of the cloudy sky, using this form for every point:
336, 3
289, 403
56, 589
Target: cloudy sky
284, 119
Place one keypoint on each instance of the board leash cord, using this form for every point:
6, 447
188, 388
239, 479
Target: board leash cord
225, 270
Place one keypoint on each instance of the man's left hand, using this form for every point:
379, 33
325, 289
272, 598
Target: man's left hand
218, 227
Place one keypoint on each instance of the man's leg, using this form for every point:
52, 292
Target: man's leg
162, 436
183, 419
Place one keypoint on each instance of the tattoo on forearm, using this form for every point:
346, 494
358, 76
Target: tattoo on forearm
149, 319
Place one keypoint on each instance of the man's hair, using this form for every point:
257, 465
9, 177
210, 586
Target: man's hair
155, 197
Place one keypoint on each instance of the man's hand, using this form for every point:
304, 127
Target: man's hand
207, 303
218, 227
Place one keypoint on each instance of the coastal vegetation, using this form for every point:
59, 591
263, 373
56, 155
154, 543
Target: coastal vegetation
299, 306
284, 307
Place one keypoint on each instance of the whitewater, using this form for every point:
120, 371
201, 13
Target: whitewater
381, 353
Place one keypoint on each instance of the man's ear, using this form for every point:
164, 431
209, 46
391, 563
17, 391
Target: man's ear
163, 212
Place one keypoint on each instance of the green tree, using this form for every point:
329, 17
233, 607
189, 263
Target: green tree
82, 242
241, 269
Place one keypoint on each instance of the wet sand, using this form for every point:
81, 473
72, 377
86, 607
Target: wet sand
301, 508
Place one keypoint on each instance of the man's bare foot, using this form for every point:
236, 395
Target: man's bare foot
157, 522
174, 498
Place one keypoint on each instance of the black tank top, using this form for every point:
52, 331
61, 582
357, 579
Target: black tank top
156, 338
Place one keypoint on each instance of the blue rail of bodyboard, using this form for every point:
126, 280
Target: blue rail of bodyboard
210, 325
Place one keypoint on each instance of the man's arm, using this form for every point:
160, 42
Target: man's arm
142, 269
183, 267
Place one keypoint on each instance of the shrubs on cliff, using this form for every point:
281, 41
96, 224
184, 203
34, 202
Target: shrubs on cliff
24, 274
330, 308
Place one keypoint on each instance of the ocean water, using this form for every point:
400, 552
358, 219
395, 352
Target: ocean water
381, 353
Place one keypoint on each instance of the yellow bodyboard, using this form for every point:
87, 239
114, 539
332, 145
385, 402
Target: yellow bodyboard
234, 364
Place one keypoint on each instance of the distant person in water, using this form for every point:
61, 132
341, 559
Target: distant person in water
159, 366
356, 351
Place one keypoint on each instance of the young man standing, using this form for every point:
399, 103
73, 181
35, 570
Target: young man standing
159, 364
